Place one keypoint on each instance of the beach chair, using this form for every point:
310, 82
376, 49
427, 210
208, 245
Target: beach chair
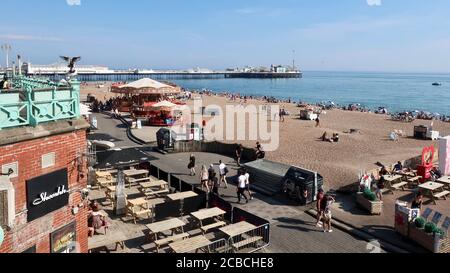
427, 213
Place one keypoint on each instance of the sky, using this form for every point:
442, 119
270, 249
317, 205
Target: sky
329, 35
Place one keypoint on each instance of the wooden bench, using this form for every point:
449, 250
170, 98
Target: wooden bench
102, 241
213, 226
246, 242
414, 180
152, 193
171, 239
400, 185
442, 195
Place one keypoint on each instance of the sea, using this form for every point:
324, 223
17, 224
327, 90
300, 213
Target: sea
397, 92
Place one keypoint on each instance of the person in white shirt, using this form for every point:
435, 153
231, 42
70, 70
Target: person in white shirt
247, 184
223, 171
242, 184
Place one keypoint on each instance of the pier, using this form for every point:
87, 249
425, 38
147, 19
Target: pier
133, 76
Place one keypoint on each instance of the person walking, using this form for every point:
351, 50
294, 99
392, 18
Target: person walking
318, 121
204, 178
215, 184
327, 215
239, 149
242, 182
247, 183
223, 171
320, 206
191, 165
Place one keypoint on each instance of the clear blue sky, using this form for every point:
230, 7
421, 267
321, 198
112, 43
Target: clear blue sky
398, 35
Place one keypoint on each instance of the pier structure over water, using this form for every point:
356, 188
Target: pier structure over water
130, 76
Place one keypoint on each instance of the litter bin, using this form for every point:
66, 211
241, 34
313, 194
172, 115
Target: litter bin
420, 132
164, 139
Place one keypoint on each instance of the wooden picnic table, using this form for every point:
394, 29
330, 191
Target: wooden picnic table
392, 178
172, 225
102, 241
208, 213
154, 184
164, 226
137, 208
431, 189
133, 173
238, 229
444, 180
103, 174
181, 195
191, 244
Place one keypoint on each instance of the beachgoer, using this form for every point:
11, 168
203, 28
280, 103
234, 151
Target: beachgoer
223, 171
242, 184
381, 183
398, 167
417, 202
239, 149
327, 215
191, 165
317, 122
320, 207
335, 138
204, 177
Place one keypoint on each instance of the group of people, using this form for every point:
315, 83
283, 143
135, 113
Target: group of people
211, 182
334, 139
324, 215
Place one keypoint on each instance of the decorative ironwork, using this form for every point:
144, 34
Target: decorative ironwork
32, 101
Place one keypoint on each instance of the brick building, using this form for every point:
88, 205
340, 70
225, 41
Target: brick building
42, 183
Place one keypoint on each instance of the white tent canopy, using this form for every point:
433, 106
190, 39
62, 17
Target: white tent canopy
146, 83
164, 104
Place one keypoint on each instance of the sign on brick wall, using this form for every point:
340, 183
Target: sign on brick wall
64, 239
47, 193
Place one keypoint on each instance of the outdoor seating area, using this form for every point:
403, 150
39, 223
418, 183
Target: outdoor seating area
173, 217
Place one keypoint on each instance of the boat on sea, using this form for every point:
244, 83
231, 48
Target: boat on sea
437, 84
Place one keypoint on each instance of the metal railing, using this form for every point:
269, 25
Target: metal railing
32, 101
251, 241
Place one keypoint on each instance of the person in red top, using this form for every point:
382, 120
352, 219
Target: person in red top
320, 207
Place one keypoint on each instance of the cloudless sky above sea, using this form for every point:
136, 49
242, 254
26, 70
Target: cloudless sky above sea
398, 35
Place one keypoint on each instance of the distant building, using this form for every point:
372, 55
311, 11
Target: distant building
58, 68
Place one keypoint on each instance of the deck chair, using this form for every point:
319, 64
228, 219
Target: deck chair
436, 218
446, 225
427, 213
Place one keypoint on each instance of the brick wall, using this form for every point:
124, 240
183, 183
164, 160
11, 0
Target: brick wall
28, 155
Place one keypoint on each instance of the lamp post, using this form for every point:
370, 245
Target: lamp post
6, 48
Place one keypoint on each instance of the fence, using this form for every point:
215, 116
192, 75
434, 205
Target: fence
252, 241
35, 101
225, 149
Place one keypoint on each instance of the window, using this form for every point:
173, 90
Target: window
11, 166
7, 202
48, 160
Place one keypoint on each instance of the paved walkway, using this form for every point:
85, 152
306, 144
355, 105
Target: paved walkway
113, 130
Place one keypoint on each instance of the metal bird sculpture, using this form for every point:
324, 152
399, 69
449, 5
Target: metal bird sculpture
71, 64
